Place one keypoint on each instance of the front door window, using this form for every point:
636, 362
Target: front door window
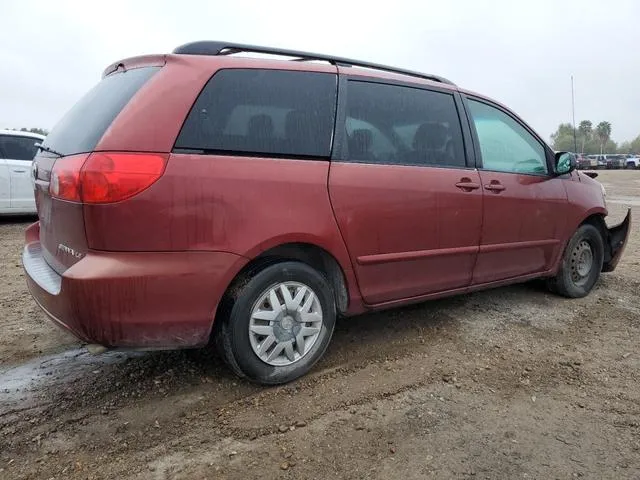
506, 146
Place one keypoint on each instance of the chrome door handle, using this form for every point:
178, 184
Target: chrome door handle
495, 187
468, 185
19, 171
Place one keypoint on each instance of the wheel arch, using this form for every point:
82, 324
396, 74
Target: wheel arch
310, 254
597, 220
594, 217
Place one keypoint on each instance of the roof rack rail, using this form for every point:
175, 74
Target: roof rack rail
228, 48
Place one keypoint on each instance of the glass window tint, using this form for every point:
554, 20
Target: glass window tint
272, 112
18, 147
506, 146
381, 146
83, 126
402, 125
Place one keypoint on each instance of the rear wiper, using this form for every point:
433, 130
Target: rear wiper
47, 149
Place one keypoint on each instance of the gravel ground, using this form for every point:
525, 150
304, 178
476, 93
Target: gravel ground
508, 383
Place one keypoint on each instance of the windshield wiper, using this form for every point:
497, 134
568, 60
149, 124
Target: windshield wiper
47, 149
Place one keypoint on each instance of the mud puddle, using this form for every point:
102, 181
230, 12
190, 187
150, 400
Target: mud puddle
20, 384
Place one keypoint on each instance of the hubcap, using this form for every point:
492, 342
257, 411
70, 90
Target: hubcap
581, 262
285, 323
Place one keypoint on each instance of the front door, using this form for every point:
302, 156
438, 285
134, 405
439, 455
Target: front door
408, 207
524, 205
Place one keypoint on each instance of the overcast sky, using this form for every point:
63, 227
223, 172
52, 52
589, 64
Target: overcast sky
520, 52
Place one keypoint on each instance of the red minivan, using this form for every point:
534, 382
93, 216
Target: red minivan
204, 196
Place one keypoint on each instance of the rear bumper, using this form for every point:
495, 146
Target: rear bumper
133, 300
615, 243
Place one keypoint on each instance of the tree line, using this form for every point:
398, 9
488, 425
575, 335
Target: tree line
40, 131
590, 140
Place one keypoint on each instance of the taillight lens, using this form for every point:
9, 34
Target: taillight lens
65, 178
105, 177
112, 177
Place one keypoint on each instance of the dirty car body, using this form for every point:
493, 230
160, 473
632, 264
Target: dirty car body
182, 181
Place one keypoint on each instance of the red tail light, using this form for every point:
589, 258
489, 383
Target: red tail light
105, 177
112, 177
65, 178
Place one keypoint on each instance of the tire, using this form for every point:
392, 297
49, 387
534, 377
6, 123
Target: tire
251, 304
574, 279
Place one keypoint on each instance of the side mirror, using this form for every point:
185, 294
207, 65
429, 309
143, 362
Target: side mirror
565, 163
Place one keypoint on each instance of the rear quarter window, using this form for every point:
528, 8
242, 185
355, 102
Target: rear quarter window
83, 126
270, 112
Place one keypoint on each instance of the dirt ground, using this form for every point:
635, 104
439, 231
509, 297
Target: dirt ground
508, 383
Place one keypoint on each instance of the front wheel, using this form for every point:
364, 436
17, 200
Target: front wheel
278, 325
581, 264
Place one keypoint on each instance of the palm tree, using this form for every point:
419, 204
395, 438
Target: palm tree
585, 128
603, 130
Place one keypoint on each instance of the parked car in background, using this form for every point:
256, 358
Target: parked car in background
602, 161
615, 160
596, 162
17, 150
632, 161
275, 195
583, 162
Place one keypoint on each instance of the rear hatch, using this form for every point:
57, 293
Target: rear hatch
57, 165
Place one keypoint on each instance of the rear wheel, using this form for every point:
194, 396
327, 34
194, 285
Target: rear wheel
278, 324
581, 264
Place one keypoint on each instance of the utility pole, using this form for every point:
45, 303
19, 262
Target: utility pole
573, 113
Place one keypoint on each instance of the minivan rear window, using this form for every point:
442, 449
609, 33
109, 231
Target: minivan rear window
83, 126
270, 112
